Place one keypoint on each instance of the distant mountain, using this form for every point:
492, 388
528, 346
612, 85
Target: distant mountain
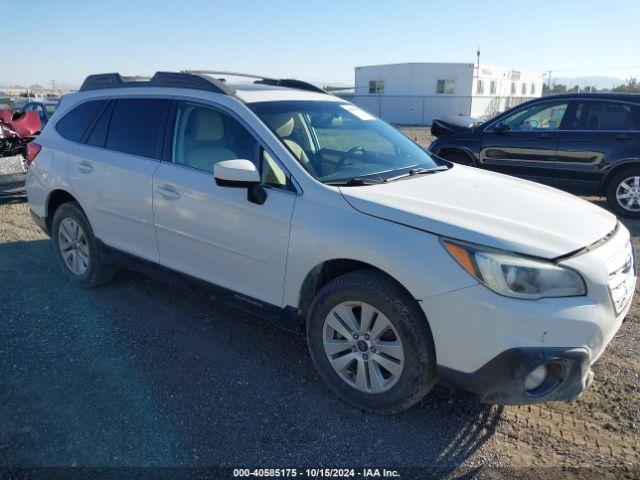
595, 81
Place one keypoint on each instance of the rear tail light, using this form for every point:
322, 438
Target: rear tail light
33, 149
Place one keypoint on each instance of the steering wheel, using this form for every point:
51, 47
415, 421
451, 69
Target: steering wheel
349, 154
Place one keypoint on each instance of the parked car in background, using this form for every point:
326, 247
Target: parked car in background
44, 109
402, 267
585, 143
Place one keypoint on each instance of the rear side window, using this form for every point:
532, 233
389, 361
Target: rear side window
75, 123
98, 135
137, 125
598, 115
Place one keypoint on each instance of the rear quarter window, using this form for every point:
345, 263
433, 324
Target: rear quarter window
137, 126
75, 123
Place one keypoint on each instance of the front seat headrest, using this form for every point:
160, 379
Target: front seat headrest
282, 123
205, 124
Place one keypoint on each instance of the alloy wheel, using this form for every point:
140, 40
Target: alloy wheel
628, 194
73, 246
363, 346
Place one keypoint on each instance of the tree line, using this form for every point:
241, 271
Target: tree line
632, 85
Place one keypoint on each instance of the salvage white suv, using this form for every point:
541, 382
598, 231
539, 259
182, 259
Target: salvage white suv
403, 268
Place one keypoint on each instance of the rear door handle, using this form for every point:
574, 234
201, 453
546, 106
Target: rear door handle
168, 192
621, 137
545, 135
84, 167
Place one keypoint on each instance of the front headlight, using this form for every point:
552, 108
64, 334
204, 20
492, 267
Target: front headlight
515, 275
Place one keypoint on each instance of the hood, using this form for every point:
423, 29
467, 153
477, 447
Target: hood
487, 208
444, 127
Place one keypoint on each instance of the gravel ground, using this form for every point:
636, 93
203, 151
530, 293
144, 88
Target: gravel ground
138, 373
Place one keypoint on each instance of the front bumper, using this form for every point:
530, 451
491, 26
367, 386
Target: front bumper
501, 380
487, 344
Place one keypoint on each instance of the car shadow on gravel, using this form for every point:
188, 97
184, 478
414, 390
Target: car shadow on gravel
141, 373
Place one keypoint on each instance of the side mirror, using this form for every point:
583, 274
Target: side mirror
501, 128
240, 174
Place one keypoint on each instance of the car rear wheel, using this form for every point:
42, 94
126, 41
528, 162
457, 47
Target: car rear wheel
76, 249
370, 342
623, 193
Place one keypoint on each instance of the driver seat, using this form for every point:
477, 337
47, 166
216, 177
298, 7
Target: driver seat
283, 125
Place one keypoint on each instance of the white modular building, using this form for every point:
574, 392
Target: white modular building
416, 93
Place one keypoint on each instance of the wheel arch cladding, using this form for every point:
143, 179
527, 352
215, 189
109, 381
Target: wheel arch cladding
617, 168
56, 198
328, 270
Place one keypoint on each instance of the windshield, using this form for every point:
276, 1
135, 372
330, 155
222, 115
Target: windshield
337, 142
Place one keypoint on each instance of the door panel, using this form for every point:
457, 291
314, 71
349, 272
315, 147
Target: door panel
525, 143
214, 233
115, 183
116, 190
599, 133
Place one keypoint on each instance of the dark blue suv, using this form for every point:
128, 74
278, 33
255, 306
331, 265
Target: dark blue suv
585, 143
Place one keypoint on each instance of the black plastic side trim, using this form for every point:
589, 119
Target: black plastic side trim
40, 222
501, 380
286, 318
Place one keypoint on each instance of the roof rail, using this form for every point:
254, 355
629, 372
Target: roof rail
160, 79
261, 79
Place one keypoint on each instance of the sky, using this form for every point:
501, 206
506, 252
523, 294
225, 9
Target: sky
320, 41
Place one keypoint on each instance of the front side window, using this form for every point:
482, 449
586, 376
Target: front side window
337, 141
75, 123
204, 136
446, 86
594, 115
137, 125
543, 116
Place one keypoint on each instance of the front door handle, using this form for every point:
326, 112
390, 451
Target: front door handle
168, 192
621, 137
84, 167
545, 135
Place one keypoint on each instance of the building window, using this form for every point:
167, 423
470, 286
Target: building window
513, 88
533, 89
480, 87
446, 86
524, 89
376, 87
492, 87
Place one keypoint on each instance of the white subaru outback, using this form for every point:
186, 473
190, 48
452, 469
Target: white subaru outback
286, 201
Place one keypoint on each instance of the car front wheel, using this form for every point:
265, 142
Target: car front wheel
370, 342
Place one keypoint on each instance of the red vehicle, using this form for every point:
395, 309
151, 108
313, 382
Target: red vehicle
16, 130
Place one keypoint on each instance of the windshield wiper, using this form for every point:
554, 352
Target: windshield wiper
418, 171
354, 182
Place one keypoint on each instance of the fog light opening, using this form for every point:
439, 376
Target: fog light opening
535, 378
544, 378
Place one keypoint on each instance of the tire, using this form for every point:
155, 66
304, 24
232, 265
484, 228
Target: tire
459, 157
96, 272
407, 323
615, 187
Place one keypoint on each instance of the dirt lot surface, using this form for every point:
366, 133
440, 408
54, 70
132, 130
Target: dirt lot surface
137, 373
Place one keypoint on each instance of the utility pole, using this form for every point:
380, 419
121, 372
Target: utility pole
478, 63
